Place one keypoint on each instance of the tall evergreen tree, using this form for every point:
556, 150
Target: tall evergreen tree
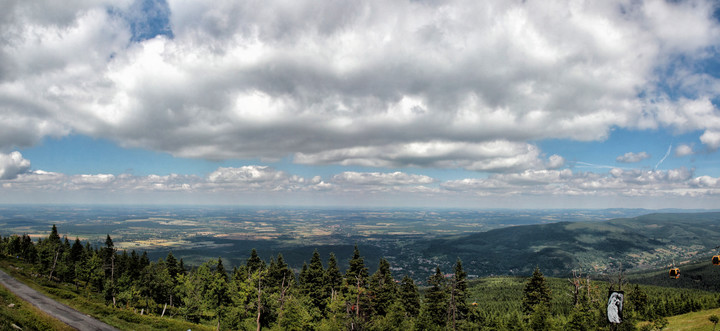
357, 269
333, 277
279, 274
54, 237
437, 299
133, 264
181, 268
458, 308
355, 279
409, 296
172, 265
254, 262
536, 292
302, 277
220, 270
314, 281
219, 284
144, 260
382, 289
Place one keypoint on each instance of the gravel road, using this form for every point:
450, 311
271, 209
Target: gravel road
55, 309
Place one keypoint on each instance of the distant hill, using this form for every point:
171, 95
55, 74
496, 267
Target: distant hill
700, 275
638, 243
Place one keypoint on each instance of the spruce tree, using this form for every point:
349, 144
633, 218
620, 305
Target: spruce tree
220, 284
254, 263
437, 299
172, 265
409, 297
536, 292
144, 260
355, 279
382, 289
279, 274
181, 268
302, 277
458, 295
54, 237
333, 277
356, 269
314, 282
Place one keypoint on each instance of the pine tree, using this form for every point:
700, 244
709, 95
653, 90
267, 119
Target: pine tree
409, 297
279, 274
144, 260
314, 281
639, 302
382, 289
302, 277
76, 258
536, 292
181, 268
458, 308
54, 237
172, 265
540, 318
220, 270
355, 279
254, 263
357, 269
437, 299
333, 277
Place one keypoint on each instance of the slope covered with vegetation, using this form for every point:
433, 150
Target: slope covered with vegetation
132, 292
635, 243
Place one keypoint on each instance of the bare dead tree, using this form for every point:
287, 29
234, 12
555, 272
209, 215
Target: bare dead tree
576, 282
259, 300
452, 307
617, 279
52, 270
283, 290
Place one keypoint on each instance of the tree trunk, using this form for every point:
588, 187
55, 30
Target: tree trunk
283, 289
163, 312
112, 276
452, 307
259, 302
52, 270
357, 301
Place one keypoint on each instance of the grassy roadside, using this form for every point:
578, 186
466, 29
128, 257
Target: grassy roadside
18, 312
91, 305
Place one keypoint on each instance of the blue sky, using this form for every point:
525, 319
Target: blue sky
456, 104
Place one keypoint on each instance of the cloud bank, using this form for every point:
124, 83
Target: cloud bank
669, 188
452, 84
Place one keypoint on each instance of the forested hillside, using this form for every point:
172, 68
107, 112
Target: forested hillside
323, 295
643, 242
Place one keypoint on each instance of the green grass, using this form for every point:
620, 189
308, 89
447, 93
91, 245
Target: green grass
696, 321
25, 315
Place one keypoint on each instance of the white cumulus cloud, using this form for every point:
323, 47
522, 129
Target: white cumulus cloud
12, 165
377, 83
711, 139
683, 150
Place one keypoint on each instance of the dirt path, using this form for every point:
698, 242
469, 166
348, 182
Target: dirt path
53, 308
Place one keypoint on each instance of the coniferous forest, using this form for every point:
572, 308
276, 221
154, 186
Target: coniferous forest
326, 296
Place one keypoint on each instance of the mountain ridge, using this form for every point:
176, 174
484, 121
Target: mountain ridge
643, 242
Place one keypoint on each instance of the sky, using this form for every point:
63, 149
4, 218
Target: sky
457, 104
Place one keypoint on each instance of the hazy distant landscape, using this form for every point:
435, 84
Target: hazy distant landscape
415, 241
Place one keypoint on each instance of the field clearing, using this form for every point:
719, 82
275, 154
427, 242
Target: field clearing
696, 321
